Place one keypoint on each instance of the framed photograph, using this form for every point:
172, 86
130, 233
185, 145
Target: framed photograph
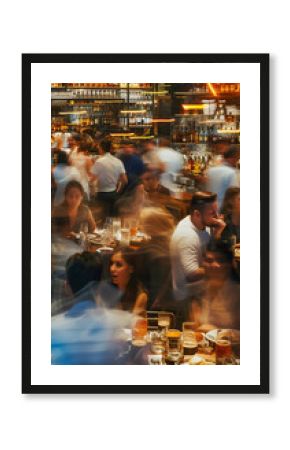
141, 175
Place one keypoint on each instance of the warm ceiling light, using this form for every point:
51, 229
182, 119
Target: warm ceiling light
109, 101
163, 120
156, 92
228, 131
189, 107
141, 137
212, 89
133, 111
77, 113
122, 134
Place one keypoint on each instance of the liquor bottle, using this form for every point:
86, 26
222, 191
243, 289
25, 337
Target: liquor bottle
203, 163
196, 140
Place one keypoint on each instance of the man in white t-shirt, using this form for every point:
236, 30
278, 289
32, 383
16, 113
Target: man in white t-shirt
111, 177
188, 245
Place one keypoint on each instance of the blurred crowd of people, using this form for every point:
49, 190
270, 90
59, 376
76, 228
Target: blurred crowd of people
185, 265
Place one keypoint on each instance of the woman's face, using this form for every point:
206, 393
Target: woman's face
120, 270
73, 198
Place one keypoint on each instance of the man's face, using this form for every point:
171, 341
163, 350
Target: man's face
128, 149
210, 212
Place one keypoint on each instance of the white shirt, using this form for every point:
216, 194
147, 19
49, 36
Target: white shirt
220, 178
188, 245
108, 169
173, 162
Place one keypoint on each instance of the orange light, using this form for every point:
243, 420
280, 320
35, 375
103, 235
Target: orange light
163, 120
189, 107
212, 89
122, 134
141, 137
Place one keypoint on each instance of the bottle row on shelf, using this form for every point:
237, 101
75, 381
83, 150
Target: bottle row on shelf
206, 134
101, 85
103, 93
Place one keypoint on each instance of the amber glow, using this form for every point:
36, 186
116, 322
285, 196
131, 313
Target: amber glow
191, 106
121, 134
212, 89
135, 111
163, 120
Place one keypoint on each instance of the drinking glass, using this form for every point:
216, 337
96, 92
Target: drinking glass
190, 344
139, 331
173, 352
165, 320
157, 343
116, 228
152, 320
223, 347
133, 227
107, 236
125, 232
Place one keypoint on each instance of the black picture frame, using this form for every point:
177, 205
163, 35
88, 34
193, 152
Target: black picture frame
263, 61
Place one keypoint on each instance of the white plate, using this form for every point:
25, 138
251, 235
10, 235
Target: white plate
104, 249
212, 334
196, 360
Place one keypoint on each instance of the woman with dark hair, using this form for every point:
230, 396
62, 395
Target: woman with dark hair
72, 214
231, 211
124, 276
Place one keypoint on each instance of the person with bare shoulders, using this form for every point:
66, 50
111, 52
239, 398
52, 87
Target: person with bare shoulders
124, 276
68, 218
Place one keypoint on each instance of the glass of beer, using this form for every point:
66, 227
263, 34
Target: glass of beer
157, 343
139, 331
116, 228
133, 227
173, 352
223, 347
164, 321
152, 320
190, 344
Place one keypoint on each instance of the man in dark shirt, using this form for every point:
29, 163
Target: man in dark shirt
133, 163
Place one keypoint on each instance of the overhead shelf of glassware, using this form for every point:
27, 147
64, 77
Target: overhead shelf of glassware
207, 113
123, 105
